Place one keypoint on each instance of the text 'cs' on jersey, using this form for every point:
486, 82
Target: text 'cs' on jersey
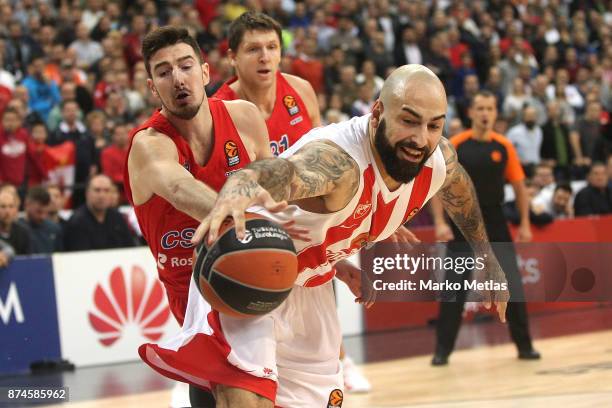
291, 105
231, 153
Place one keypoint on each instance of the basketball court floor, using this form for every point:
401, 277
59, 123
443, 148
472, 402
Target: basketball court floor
575, 371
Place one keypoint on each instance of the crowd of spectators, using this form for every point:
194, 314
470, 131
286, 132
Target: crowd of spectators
73, 83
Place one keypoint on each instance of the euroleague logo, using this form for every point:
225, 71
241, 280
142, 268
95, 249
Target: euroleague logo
335, 399
127, 300
231, 153
248, 237
291, 105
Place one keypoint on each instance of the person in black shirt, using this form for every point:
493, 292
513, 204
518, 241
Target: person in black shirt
490, 160
556, 148
12, 232
95, 225
46, 234
596, 197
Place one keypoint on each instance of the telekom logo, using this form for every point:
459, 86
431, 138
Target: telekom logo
127, 302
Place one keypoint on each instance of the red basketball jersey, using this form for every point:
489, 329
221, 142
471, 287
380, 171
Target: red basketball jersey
289, 119
167, 230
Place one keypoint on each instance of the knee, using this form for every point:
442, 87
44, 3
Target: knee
228, 397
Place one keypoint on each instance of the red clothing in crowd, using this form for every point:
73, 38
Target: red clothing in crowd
36, 171
311, 70
13, 152
112, 160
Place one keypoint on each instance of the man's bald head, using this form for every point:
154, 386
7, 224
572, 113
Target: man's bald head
405, 78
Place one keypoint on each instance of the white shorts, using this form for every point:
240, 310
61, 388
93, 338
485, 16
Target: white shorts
290, 356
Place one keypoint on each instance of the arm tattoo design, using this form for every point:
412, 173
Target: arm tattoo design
317, 168
459, 198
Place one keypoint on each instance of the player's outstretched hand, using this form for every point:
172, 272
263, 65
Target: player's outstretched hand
359, 284
240, 192
493, 279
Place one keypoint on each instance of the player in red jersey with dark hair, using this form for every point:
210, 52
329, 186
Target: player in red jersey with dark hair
181, 156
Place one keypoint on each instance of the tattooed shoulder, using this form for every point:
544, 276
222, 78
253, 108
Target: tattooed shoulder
322, 167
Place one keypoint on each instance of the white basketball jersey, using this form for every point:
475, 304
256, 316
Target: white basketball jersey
372, 215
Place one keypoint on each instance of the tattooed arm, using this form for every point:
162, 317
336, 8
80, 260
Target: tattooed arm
319, 169
459, 199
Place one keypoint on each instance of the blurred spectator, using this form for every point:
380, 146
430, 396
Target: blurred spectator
132, 40
28, 117
346, 38
437, 59
67, 93
539, 99
116, 110
563, 88
43, 94
36, 172
515, 102
347, 87
6, 254
369, 78
333, 66
7, 79
494, 85
113, 157
596, 197
556, 149
95, 225
334, 113
46, 234
589, 131
13, 148
17, 235
21, 50
560, 205
96, 124
87, 51
73, 130
471, 85
308, 66
363, 103
537, 214
544, 180
455, 126
56, 204
408, 50
527, 139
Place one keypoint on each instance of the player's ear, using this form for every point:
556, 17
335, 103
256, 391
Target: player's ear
152, 87
377, 111
205, 73
232, 57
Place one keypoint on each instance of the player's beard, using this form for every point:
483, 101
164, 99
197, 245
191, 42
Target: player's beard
402, 171
186, 112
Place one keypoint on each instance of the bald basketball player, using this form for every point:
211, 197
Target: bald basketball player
290, 107
394, 157
181, 156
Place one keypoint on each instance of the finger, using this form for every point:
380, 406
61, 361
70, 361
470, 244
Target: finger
215, 223
486, 301
239, 223
413, 239
501, 310
201, 231
265, 199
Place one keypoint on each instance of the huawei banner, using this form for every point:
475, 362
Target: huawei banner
109, 302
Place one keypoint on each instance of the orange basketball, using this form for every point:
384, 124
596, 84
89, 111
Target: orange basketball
248, 277
231, 150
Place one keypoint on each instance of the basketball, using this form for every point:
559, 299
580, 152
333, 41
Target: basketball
248, 277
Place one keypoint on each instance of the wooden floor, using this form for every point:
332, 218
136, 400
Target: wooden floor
575, 372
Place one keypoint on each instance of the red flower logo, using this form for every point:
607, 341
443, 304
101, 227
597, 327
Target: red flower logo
128, 303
